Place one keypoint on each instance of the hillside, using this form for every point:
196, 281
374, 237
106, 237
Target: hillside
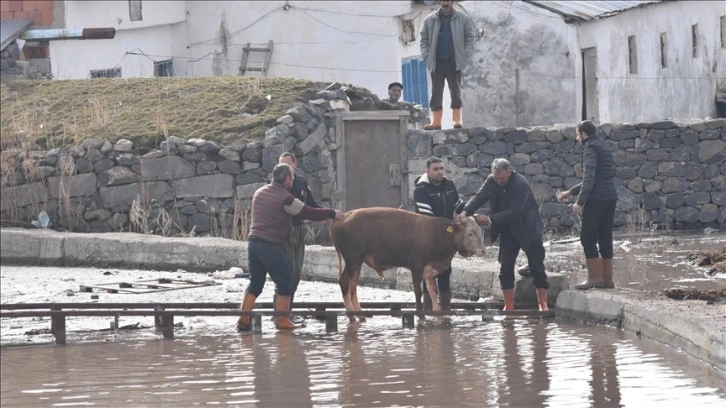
49, 114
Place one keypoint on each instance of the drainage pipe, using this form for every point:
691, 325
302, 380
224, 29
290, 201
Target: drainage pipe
47, 34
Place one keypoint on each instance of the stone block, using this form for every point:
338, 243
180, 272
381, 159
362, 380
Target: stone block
73, 186
214, 186
166, 168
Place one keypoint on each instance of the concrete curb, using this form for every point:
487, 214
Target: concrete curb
472, 278
692, 326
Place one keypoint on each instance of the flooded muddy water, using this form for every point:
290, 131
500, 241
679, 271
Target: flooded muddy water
649, 263
460, 361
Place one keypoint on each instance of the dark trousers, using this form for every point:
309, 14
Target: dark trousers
443, 281
445, 70
597, 228
267, 257
508, 251
295, 250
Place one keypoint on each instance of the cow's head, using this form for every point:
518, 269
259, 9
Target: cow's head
468, 238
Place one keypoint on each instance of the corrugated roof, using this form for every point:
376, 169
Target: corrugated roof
11, 29
588, 10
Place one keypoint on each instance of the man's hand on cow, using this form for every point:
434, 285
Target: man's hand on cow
482, 219
563, 196
461, 215
339, 215
577, 208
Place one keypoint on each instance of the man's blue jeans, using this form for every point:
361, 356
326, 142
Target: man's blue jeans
267, 257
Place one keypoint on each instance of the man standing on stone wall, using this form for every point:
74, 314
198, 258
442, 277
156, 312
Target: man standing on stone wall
295, 246
447, 43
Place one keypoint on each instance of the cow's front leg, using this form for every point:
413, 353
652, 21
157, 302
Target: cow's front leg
429, 275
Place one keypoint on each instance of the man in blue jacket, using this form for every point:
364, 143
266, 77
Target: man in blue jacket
436, 195
516, 221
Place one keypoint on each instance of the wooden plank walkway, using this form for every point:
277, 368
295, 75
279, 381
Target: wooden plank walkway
329, 312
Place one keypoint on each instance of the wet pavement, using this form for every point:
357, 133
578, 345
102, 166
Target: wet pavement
458, 361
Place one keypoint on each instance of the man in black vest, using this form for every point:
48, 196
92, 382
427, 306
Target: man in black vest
295, 246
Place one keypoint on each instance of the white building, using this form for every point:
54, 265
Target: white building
535, 63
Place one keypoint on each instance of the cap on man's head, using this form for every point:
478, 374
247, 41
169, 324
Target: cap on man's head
392, 84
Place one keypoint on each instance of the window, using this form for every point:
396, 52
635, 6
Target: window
415, 81
664, 50
694, 39
723, 31
106, 73
135, 10
163, 68
632, 55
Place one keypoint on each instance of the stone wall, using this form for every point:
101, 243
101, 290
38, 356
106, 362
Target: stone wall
668, 175
8, 60
190, 186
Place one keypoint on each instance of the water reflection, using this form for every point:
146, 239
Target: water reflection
440, 363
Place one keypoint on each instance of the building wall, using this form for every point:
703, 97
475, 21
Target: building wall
135, 47
39, 12
132, 51
685, 89
513, 37
347, 42
83, 14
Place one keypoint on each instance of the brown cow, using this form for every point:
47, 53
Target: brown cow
386, 238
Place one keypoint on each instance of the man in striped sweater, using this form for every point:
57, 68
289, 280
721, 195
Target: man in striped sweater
272, 210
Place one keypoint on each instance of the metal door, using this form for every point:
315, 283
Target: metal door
373, 160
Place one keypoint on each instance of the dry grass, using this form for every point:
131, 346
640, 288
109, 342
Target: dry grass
48, 114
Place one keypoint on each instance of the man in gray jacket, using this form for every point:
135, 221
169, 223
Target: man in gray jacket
447, 43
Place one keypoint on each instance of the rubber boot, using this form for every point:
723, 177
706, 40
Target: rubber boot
427, 303
436, 123
282, 304
594, 275
445, 300
607, 274
456, 115
542, 299
297, 319
248, 303
508, 295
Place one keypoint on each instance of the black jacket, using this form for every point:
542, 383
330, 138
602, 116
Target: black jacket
598, 168
440, 201
513, 208
301, 191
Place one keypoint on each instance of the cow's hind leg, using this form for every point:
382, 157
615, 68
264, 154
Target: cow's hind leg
354, 296
345, 280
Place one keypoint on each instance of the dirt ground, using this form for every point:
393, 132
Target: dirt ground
715, 259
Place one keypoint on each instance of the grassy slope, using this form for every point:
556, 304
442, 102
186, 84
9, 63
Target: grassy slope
223, 109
